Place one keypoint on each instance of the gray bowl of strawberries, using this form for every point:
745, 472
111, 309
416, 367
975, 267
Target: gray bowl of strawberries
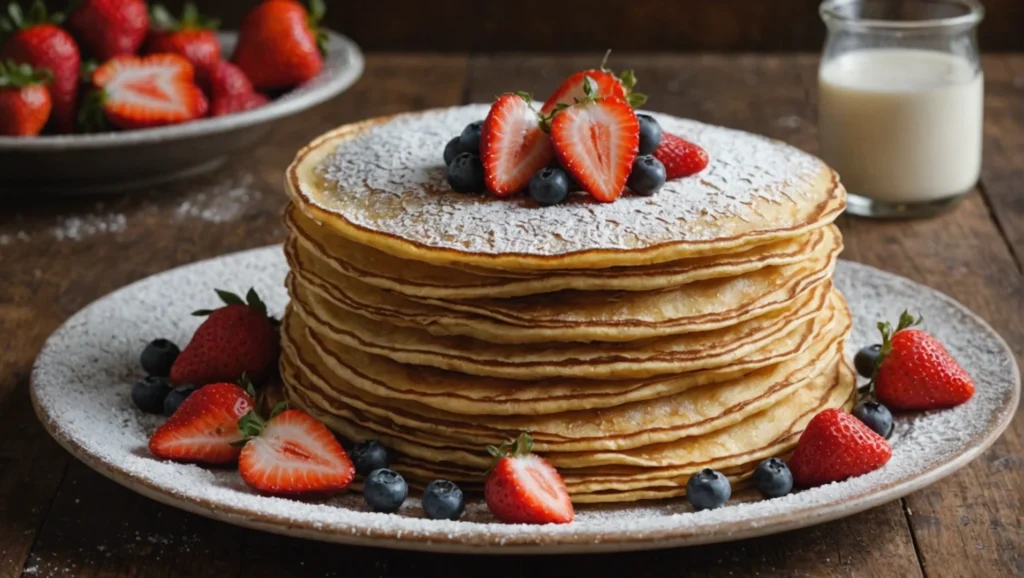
130, 157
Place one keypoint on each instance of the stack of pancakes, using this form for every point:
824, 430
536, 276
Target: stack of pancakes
637, 342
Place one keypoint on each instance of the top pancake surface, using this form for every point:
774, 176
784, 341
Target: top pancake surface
382, 183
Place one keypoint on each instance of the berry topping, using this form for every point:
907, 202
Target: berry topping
442, 500
451, 150
650, 134
866, 359
385, 490
603, 83
369, 455
469, 140
523, 488
205, 427
772, 478
148, 394
158, 357
681, 158
836, 446
876, 416
513, 147
550, 186
914, 370
708, 489
176, 397
466, 174
647, 176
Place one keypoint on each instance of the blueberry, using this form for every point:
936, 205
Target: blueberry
442, 500
148, 394
385, 490
650, 134
175, 397
876, 416
549, 186
647, 176
864, 361
469, 140
451, 150
369, 455
466, 174
772, 478
158, 357
708, 489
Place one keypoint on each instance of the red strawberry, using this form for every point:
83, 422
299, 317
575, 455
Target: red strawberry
279, 44
681, 157
836, 446
205, 426
236, 340
914, 370
571, 90
596, 142
148, 91
109, 28
36, 41
525, 489
292, 453
233, 103
512, 145
230, 90
192, 36
24, 101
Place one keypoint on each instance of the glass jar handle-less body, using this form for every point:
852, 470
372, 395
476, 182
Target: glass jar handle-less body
901, 103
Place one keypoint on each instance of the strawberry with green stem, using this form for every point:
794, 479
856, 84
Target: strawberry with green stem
24, 100
604, 84
523, 488
193, 36
513, 146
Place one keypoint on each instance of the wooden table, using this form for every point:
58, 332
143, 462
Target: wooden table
58, 518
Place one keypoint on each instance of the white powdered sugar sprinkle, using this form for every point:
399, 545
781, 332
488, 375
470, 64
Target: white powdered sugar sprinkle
83, 376
391, 179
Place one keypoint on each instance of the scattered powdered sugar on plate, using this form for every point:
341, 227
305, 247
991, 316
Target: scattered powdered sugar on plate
391, 179
82, 378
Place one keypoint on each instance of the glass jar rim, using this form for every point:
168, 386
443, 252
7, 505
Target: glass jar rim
831, 12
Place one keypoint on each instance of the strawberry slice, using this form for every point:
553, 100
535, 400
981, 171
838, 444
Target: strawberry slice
571, 90
681, 157
836, 446
512, 145
204, 427
148, 91
291, 454
525, 489
596, 141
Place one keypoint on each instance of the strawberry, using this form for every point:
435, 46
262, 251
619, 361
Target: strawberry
681, 157
236, 340
596, 142
836, 446
193, 36
292, 454
148, 91
233, 103
204, 428
914, 371
279, 44
230, 90
571, 90
24, 101
512, 145
109, 28
523, 488
37, 41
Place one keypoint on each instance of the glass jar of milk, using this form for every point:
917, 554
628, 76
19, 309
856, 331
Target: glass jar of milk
900, 109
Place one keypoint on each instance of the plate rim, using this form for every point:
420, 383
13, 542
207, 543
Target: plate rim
586, 542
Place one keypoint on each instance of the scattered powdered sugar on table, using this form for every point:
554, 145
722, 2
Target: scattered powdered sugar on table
391, 178
225, 201
82, 378
77, 228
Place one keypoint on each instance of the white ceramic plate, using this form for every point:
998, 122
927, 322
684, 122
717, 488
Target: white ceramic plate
82, 378
130, 159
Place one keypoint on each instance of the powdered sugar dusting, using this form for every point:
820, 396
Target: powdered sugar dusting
83, 375
77, 228
225, 201
391, 179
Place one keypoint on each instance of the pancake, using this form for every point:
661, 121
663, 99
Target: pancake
380, 183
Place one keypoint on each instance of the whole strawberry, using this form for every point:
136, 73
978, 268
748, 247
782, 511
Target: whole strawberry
279, 44
836, 446
193, 36
35, 39
109, 28
236, 340
523, 488
24, 100
914, 370
681, 157
230, 91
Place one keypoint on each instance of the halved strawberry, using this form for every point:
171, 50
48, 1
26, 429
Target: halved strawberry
292, 453
204, 427
571, 90
596, 141
681, 157
512, 145
148, 91
525, 489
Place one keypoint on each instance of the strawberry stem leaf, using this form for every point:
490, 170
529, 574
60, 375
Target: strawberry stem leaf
604, 61
229, 298
637, 99
253, 300
202, 312
280, 407
245, 383
251, 425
